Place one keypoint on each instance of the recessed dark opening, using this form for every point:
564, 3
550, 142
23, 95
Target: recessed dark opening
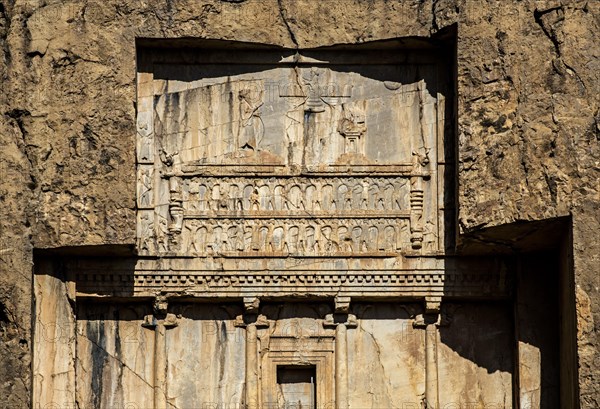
297, 387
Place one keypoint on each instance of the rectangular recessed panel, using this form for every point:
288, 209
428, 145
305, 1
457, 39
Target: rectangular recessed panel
302, 155
297, 387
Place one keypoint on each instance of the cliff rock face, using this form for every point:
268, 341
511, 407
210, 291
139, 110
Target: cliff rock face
528, 125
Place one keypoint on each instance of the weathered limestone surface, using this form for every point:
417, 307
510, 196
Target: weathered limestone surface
209, 376
478, 372
115, 352
528, 123
201, 353
54, 340
378, 348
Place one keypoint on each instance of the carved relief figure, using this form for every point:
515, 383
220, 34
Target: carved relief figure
429, 236
236, 198
263, 237
277, 240
189, 243
145, 138
372, 239
266, 198
162, 234
251, 127
376, 201
314, 103
327, 198
146, 188
192, 197
234, 241
311, 196
316, 201
389, 241
224, 201
348, 200
247, 198
342, 190
255, 200
146, 233
215, 197
405, 234
364, 198
357, 238
270, 236
397, 196
278, 197
248, 235
388, 195
293, 235
202, 202
216, 240
420, 158
310, 239
356, 196
200, 239
301, 238
344, 239
352, 127
295, 201
331, 244
167, 158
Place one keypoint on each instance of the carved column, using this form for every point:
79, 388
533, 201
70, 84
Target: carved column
341, 321
417, 194
252, 321
416, 212
251, 366
176, 212
431, 370
429, 321
341, 367
160, 321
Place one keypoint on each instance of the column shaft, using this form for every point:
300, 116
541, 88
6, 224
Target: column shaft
431, 370
341, 367
251, 367
160, 367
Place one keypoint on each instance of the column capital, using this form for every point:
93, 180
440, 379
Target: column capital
333, 320
251, 304
423, 321
160, 305
258, 320
168, 321
441, 318
160, 315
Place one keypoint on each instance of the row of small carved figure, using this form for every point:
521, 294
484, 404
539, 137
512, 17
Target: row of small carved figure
303, 237
335, 195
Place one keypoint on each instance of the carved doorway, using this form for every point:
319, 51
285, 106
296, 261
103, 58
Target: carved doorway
297, 387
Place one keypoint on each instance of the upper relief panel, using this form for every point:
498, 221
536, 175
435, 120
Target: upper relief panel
301, 115
291, 138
